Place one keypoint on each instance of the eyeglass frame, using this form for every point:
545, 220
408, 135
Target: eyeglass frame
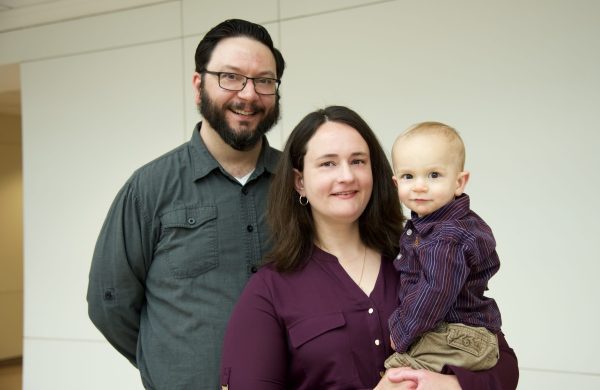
218, 74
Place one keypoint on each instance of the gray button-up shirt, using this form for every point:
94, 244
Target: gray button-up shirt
176, 249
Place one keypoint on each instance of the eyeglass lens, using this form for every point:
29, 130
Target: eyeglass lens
236, 82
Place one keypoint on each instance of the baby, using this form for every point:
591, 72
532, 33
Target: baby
447, 255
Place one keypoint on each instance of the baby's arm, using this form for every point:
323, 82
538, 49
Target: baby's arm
444, 271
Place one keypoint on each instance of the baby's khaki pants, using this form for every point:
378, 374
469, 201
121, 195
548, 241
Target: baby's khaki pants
458, 345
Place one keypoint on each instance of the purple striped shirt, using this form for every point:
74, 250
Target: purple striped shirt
445, 262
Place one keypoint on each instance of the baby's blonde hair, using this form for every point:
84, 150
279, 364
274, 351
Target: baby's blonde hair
437, 128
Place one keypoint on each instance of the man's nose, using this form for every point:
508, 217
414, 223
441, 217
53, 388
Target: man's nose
248, 92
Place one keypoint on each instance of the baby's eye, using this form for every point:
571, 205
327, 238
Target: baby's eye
434, 175
406, 176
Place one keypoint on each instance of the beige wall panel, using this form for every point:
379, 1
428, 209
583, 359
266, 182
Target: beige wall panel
199, 16
19, 14
293, 8
116, 29
67, 365
89, 122
535, 380
520, 82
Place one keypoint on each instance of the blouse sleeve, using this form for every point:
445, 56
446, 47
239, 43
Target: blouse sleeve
254, 350
503, 376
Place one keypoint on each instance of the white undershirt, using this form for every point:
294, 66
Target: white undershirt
244, 179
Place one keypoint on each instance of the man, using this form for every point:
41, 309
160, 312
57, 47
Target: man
187, 230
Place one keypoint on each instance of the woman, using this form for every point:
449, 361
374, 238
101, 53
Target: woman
315, 317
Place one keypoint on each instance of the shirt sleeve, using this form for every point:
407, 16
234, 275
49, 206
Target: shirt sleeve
116, 288
503, 376
444, 271
254, 351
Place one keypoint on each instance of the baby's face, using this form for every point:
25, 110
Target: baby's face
426, 172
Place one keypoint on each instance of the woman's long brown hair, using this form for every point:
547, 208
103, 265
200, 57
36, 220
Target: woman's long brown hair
292, 225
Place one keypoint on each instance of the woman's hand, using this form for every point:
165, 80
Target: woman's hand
397, 384
420, 379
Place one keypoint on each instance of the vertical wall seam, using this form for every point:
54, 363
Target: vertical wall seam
183, 130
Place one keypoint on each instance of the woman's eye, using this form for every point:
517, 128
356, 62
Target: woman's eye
327, 164
358, 161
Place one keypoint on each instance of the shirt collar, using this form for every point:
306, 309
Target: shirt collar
203, 162
320, 254
454, 210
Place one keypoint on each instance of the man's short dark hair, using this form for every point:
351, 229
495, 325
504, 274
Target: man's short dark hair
235, 28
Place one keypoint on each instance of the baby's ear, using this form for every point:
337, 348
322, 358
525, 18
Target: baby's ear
461, 182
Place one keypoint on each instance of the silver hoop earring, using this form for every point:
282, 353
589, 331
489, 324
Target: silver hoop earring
303, 202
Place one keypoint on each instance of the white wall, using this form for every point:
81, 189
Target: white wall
519, 79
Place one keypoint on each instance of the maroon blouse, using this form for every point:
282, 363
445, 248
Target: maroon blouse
316, 329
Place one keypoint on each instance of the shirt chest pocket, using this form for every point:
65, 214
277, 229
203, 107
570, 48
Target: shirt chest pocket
322, 345
311, 328
189, 241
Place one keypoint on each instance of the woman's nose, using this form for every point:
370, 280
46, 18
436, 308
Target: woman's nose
346, 173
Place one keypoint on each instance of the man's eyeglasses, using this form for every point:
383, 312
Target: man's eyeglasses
237, 82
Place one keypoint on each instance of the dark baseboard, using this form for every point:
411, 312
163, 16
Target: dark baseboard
16, 361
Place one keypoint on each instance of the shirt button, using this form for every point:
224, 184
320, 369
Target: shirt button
370, 310
191, 221
244, 191
108, 295
377, 342
253, 269
250, 228
409, 232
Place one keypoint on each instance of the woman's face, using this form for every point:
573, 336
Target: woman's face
337, 178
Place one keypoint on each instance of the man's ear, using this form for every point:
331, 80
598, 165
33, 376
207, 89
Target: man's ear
461, 182
196, 81
299, 182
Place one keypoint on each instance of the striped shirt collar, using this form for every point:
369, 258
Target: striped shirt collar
454, 210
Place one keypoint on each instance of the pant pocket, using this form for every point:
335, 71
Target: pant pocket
473, 340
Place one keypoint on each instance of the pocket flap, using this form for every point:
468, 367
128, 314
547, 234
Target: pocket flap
469, 339
189, 217
309, 328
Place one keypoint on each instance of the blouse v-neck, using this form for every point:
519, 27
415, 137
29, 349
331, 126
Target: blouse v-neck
336, 270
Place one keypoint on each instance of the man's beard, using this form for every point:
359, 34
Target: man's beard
239, 140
